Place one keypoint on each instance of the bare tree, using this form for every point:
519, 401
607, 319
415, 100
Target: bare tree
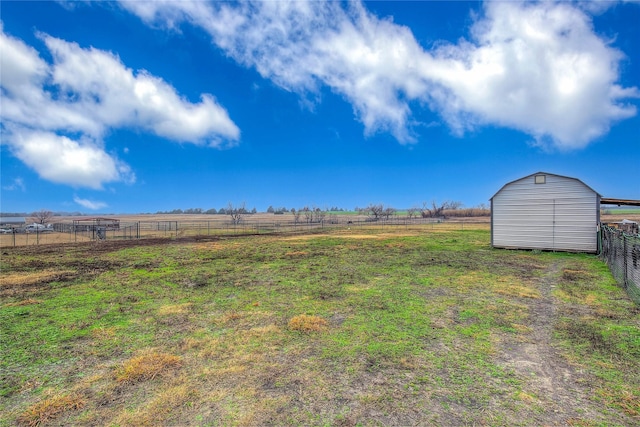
296, 215
42, 216
436, 211
388, 212
308, 213
454, 205
236, 212
413, 212
374, 212
319, 215
311, 214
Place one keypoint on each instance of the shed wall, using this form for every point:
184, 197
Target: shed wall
561, 214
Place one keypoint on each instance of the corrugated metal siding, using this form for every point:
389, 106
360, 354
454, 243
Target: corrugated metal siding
558, 215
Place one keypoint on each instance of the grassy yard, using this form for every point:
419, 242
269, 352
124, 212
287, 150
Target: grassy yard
347, 328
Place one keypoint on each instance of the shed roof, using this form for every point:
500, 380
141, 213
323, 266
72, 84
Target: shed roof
544, 173
619, 202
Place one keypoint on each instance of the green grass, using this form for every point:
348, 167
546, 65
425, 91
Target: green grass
416, 327
622, 211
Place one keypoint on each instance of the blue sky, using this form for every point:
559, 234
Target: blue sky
127, 107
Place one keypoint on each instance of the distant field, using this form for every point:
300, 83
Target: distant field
635, 212
345, 327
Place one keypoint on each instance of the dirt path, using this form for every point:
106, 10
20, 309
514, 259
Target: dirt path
561, 389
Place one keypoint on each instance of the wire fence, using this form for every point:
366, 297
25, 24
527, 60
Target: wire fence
621, 252
68, 232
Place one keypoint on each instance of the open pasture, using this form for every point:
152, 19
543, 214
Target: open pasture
345, 327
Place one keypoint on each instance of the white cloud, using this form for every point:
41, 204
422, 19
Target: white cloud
55, 115
539, 68
114, 95
16, 184
60, 159
89, 204
300, 45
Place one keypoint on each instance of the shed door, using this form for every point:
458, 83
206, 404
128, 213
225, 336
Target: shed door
524, 225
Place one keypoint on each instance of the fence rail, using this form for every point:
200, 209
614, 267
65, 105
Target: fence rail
621, 252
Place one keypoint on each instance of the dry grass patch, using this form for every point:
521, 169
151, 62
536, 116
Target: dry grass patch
245, 319
159, 408
337, 234
306, 323
209, 348
630, 404
519, 291
48, 409
523, 329
526, 397
104, 334
262, 330
571, 275
146, 367
579, 422
227, 370
294, 254
592, 300
357, 288
25, 278
231, 316
174, 309
209, 246
190, 343
23, 302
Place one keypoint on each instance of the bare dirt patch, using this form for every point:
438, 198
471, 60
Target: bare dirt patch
550, 380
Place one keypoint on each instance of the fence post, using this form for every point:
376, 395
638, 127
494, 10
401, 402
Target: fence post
624, 263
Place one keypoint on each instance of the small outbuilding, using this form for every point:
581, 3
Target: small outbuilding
547, 212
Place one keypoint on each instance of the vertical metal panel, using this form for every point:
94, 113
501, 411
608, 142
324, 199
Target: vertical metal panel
560, 214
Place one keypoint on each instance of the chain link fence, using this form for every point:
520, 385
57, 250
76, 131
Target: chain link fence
621, 252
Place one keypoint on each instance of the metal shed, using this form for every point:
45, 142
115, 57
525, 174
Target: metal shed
547, 212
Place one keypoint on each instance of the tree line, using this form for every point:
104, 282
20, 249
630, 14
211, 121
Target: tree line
312, 214
200, 211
